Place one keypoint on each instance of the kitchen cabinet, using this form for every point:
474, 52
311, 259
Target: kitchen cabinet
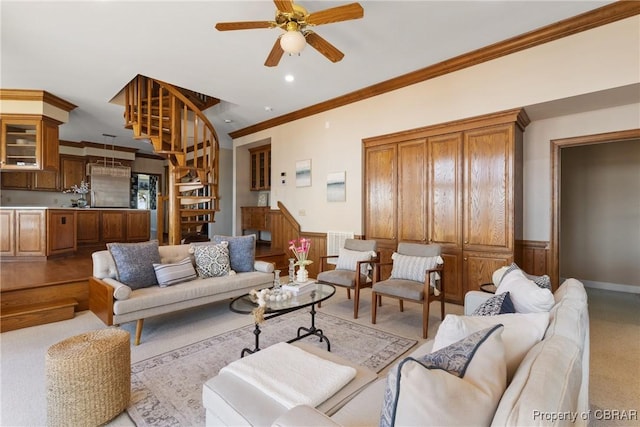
40, 180
260, 167
138, 226
113, 226
88, 226
28, 143
72, 171
456, 184
61, 230
23, 232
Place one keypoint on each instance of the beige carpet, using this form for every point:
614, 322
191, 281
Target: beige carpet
615, 341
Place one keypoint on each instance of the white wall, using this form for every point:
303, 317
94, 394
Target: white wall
603, 58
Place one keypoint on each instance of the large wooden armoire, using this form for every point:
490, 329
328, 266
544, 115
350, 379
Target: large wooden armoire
458, 184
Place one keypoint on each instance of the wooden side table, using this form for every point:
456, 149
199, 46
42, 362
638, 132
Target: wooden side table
489, 288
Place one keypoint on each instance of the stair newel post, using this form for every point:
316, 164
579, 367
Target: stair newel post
175, 228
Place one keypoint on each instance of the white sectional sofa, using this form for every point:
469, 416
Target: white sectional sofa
550, 385
115, 303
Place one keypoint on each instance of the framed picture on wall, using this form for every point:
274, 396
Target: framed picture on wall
336, 187
303, 173
263, 199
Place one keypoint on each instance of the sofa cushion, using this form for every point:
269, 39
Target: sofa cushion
428, 390
543, 281
174, 273
521, 332
134, 262
497, 304
212, 260
547, 383
527, 297
242, 251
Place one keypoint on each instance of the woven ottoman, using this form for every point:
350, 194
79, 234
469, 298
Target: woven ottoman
88, 378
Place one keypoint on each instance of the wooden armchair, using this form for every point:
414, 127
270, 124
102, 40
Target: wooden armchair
353, 270
417, 275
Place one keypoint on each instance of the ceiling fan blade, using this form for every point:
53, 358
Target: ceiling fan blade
324, 47
284, 5
244, 25
336, 14
274, 56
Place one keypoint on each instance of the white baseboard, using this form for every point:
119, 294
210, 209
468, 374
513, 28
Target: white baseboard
617, 287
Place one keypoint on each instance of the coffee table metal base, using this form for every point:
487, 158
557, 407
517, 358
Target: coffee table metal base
308, 332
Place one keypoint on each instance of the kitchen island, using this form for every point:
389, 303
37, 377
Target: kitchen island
29, 233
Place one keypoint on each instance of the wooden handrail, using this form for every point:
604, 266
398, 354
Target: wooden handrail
288, 217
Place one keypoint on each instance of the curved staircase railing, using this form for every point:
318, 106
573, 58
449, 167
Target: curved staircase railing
179, 131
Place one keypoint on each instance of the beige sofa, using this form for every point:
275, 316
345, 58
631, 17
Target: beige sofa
550, 385
115, 303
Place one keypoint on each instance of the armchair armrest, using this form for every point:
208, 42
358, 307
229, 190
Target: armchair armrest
324, 261
303, 415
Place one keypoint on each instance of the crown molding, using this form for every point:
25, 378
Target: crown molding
604, 15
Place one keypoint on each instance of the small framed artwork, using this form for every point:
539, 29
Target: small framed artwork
303, 173
336, 187
263, 199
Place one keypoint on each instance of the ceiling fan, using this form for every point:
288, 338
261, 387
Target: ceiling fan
295, 21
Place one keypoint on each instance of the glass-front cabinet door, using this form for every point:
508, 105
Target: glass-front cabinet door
20, 148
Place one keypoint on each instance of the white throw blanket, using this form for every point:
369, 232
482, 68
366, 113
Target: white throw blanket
291, 376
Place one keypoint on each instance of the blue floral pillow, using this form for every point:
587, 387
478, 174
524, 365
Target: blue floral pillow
134, 262
497, 304
242, 251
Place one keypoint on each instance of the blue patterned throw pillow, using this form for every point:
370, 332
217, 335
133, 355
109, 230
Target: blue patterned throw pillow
212, 260
421, 381
497, 304
134, 262
242, 251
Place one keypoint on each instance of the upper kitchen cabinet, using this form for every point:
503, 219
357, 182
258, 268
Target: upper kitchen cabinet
29, 131
260, 167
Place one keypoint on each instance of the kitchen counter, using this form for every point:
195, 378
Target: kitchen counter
39, 232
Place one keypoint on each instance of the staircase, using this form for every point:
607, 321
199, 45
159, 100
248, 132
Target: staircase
171, 119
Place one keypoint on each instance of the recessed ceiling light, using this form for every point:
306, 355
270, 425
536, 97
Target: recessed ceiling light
228, 120
267, 108
289, 78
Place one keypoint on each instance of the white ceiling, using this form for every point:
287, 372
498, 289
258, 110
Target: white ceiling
86, 51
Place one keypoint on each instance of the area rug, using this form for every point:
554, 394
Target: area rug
167, 389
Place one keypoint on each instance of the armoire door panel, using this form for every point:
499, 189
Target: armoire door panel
412, 174
488, 196
445, 189
380, 192
479, 268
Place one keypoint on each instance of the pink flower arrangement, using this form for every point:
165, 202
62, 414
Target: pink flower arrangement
300, 249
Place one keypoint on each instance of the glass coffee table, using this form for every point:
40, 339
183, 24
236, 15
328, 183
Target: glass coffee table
245, 304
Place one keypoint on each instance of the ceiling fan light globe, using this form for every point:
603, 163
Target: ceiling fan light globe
292, 42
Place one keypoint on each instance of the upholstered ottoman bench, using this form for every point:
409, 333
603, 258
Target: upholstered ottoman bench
300, 372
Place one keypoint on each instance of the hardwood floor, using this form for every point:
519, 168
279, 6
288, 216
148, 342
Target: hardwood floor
27, 275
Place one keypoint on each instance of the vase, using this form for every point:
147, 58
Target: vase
302, 275
292, 270
82, 201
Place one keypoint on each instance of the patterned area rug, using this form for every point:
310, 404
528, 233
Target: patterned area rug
167, 389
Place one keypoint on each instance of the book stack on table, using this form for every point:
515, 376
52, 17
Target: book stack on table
297, 288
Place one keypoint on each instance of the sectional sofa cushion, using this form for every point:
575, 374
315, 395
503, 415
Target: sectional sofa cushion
427, 390
134, 262
174, 273
527, 297
242, 251
521, 332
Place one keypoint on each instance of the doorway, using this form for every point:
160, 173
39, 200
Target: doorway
144, 195
582, 203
